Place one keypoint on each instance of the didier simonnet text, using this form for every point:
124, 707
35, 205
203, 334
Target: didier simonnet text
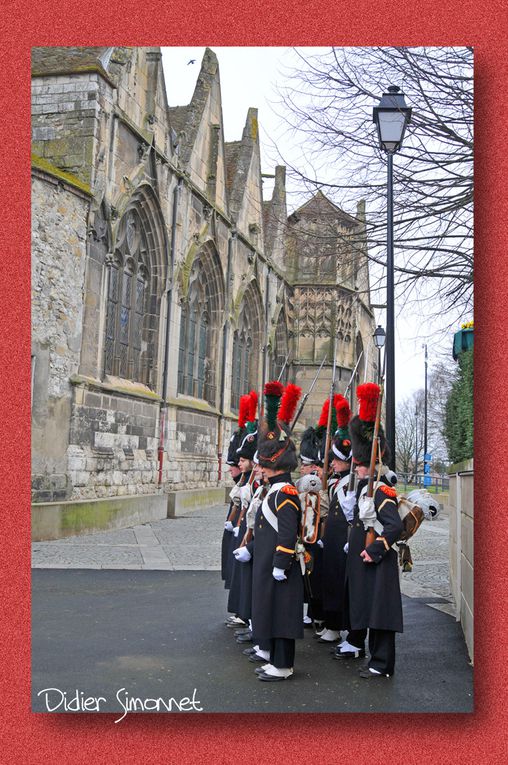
63, 701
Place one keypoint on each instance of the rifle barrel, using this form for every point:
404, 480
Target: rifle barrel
324, 479
306, 396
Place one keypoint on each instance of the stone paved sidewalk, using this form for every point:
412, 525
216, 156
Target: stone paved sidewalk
192, 542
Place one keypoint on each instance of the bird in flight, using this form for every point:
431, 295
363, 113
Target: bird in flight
192, 61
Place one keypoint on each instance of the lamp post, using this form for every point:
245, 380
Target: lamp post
379, 337
425, 454
391, 116
416, 446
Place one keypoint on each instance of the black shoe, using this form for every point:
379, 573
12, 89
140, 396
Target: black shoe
247, 638
241, 631
271, 678
260, 670
249, 651
368, 675
359, 654
255, 658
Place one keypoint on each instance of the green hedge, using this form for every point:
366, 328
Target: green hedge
459, 411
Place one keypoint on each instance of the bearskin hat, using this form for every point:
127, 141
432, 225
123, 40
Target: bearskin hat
361, 427
276, 450
234, 444
248, 446
309, 447
340, 448
340, 443
247, 411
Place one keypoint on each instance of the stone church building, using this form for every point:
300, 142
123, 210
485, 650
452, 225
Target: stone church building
164, 286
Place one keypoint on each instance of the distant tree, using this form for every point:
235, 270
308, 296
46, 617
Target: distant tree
410, 422
409, 434
328, 107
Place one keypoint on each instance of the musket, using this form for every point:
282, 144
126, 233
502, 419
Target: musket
351, 482
329, 423
283, 368
304, 399
260, 398
374, 453
353, 375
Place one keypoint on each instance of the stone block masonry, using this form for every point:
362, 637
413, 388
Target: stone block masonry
64, 113
112, 445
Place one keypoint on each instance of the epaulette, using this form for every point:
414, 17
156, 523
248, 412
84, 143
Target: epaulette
388, 490
289, 489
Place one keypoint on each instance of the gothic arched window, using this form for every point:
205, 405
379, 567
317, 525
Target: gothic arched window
281, 349
242, 365
199, 330
246, 346
127, 300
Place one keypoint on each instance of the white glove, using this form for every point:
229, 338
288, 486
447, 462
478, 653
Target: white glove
366, 510
242, 554
246, 494
236, 531
346, 548
228, 526
320, 543
278, 574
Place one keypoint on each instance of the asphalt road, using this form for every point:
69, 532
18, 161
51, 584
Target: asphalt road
161, 635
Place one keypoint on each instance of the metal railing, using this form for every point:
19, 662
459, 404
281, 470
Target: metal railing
434, 484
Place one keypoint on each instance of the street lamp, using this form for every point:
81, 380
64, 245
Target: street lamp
379, 337
426, 461
391, 117
416, 446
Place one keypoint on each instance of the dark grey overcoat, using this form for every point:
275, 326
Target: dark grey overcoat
277, 607
334, 558
373, 589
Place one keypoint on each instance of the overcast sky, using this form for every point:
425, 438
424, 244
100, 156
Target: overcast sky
249, 78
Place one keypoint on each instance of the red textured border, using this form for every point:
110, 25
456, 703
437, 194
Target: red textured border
192, 739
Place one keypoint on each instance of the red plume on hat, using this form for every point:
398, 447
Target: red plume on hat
343, 411
288, 403
323, 418
368, 395
253, 408
243, 410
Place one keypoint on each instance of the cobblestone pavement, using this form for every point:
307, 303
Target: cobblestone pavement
192, 542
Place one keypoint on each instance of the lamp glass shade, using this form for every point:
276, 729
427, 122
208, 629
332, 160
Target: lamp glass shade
391, 125
379, 337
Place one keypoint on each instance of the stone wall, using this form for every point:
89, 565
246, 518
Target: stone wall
64, 113
58, 266
113, 443
461, 510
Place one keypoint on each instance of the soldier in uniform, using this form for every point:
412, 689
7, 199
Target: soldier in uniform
239, 601
277, 586
247, 413
337, 529
372, 576
310, 482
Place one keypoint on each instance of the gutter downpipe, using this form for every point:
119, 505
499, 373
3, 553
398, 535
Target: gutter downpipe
265, 348
225, 333
164, 403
